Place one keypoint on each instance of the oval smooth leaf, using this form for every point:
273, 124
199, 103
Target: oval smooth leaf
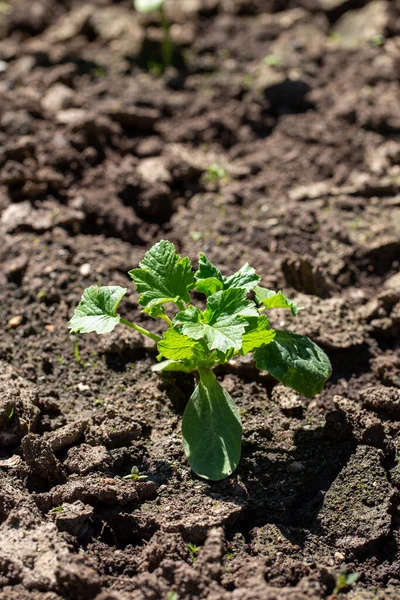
211, 430
296, 361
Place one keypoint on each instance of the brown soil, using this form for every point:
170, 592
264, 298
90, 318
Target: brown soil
100, 158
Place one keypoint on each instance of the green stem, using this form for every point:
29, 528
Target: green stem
180, 304
167, 42
141, 330
166, 319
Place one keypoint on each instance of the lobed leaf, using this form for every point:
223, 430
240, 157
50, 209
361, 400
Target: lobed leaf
97, 310
257, 334
210, 280
163, 276
176, 346
211, 430
272, 299
296, 361
221, 323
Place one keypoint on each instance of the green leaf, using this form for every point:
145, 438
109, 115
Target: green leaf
171, 366
257, 334
163, 277
176, 346
272, 299
144, 6
97, 310
295, 361
208, 277
211, 430
210, 280
245, 278
221, 323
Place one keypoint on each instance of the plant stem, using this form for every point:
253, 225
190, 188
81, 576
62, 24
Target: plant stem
180, 304
166, 319
166, 43
141, 330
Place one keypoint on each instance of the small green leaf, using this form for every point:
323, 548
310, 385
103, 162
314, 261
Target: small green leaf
97, 310
210, 280
272, 299
245, 278
176, 346
208, 277
221, 323
163, 276
144, 6
211, 430
172, 366
257, 334
295, 361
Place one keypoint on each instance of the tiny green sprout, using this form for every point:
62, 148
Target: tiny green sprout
11, 414
378, 40
215, 173
272, 60
134, 474
196, 341
193, 551
172, 595
146, 6
343, 580
57, 508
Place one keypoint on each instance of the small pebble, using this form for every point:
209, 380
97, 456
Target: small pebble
85, 269
15, 321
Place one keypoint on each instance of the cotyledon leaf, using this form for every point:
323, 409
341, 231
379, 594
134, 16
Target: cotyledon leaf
211, 430
296, 361
97, 310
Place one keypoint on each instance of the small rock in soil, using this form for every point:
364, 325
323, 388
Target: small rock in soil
73, 517
382, 398
84, 459
356, 508
58, 97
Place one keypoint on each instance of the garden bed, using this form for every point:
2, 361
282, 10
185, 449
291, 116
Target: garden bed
274, 140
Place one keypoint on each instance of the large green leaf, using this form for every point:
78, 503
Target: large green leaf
211, 430
163, 276
97, 310
221, 324
210, 280
296, 361
257, 334
272, 299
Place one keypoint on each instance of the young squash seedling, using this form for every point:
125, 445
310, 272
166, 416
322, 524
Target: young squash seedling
198, 340
146, 6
